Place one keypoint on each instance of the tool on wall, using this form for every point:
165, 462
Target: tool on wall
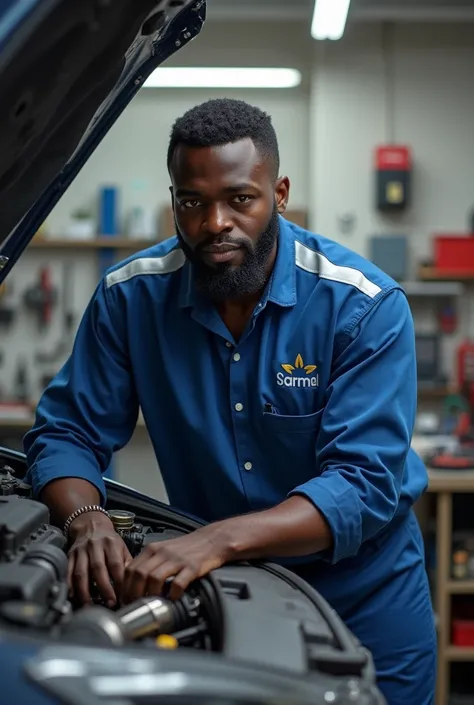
67, 304
41, 298
21, 390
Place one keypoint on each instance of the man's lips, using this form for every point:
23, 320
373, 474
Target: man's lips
220, 252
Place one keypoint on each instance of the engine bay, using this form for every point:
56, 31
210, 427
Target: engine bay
255, 615
34, 590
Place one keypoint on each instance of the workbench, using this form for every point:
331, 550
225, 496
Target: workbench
444, 484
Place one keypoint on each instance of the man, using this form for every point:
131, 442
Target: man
276, 374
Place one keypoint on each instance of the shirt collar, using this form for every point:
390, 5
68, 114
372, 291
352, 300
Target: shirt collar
283, 281
281, 288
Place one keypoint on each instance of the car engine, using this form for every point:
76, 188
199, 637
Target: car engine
260, 616
34, 591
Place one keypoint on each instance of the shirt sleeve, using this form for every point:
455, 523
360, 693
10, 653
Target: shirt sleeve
90, 409
366, 427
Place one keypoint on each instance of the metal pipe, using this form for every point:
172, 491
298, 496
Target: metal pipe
148, 615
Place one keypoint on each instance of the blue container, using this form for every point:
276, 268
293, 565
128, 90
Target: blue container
108, 211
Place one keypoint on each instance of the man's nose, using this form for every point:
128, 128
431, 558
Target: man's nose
217, 220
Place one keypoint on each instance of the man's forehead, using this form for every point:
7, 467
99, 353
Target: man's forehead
236, 160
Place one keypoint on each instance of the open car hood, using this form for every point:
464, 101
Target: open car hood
67, 71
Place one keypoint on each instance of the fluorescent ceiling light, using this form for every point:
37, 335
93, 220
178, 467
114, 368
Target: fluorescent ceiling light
222, 77
329, 19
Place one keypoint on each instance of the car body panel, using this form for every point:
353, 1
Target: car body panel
66, 75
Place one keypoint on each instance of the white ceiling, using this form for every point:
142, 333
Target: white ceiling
361, 10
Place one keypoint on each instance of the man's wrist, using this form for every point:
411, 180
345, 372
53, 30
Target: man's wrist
227, 536
84, 509
86, 523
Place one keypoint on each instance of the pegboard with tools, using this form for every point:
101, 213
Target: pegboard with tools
38, 314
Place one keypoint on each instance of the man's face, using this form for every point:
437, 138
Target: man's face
226, 204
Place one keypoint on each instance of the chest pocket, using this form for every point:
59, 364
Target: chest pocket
281, 424
290, 445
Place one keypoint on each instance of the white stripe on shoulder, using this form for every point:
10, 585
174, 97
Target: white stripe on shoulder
316, 263
171, 262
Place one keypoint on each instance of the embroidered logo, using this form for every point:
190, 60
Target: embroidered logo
298, 375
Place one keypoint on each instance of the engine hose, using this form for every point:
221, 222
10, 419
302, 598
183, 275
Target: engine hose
210, 596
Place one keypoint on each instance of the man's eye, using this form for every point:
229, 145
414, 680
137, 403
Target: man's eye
242, 199
191, 204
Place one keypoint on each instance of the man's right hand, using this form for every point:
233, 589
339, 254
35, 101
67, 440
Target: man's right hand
97, 554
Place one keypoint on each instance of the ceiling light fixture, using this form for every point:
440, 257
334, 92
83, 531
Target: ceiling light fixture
222, 77
329, 19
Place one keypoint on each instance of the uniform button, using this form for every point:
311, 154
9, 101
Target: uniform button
237, 357
248, 466
239, 406
228, 345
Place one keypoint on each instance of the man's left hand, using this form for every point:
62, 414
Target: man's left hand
183, 559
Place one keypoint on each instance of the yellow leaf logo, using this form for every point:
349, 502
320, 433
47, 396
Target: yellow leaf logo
299, 365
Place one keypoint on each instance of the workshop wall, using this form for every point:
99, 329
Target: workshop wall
410, 83
403, 84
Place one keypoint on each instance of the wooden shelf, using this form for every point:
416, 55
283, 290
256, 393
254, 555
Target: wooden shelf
431, 274
105, 242
434, 392
460, 587
20, 424
451, 481
444, 483
459, 653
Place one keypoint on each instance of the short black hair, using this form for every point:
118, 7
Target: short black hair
221, 121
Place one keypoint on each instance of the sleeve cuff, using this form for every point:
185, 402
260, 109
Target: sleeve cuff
40, 476
339, 503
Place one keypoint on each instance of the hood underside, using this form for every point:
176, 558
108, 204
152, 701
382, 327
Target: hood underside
67, 71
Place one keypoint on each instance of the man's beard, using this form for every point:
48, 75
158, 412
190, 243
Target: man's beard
224, 282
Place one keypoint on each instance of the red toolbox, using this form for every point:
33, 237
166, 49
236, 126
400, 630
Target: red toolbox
454, 253
463, 632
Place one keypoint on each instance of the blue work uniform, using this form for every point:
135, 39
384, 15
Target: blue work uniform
317, 398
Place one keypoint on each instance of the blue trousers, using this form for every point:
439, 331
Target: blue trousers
383, 597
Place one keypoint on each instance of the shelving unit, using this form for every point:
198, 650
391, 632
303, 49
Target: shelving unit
113, 242
444, 484
430, 289
460, 587
431, 274
434, 392
120, 242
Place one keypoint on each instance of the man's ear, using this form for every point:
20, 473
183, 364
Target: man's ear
282, 193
